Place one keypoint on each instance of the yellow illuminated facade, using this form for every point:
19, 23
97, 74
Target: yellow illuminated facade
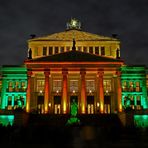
74, 65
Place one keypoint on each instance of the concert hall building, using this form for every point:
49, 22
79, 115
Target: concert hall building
74, 65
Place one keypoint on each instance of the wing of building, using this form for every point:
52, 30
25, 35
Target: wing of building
74, 65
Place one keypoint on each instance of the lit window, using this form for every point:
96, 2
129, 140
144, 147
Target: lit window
17, 86
137, 86
96, 50
67, 48
36, 51
50, 50
90, 49
131, 86
124, 86
62, 49
10, 86
9, 102
79, 48
73, 86
132, 102
44, 51
138, 102
102, 50
40, 85
84, 49
90, 86
56, 50
107, 86
57, 86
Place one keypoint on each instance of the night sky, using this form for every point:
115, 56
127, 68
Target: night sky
20, 18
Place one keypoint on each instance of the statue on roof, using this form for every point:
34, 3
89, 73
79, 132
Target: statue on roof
74, 24
30, 54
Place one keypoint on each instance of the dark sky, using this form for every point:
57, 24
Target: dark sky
20, 18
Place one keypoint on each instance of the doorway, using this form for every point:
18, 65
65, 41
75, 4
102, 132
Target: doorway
40, 104
57, 104
107, 104
90, 104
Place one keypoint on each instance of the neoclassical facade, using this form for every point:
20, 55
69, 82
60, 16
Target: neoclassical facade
74, 66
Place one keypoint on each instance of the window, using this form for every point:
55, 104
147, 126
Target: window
57, 86
107, 86
131, 86
40, 86
9, 102
79, 48
73, 86
138, 98
67, 48
62, 49
90, 86
90, 49
84, 49
137, 86
44, 51
17, 85
56, 50
132, 102
50, 51
96, 50
102, 50
124, 86
10, 86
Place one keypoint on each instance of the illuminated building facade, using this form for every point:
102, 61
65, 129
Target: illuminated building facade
74, 66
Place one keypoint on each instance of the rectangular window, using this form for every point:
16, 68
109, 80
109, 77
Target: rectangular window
90, 86
137, 86
84, 49
103, 51
50, 51
17, 86
57, 86
10, 86
79, 48
96, 50
36, 51
44, 51
67, 48
62, 50
56, 50
138, 98
124, 86
9, 100
40, 86
73, 86
107, 86
131, 86
91, 50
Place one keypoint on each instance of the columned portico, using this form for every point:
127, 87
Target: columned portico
64, 91
83, 92
29, 73
101, 90
47, 91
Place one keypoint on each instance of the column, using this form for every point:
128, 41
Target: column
64, 92
119, 91
83, 92
47, 91
101, 90
29, 73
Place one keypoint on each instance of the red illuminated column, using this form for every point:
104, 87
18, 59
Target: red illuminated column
119, 91
101, 91
64, 92
29, 73
47, 91
83, 92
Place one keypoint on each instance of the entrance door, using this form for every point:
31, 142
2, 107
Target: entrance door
57, 104
107, 104
90, 104
40, 104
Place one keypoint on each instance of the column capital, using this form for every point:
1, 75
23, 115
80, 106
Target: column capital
64, 71
100, 73
82, 71
47, 72
29, 73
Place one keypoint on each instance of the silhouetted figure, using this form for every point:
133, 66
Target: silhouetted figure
74, 45
117, 54
30, 54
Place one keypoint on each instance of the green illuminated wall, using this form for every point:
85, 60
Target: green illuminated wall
141, 120
16, 93
134, 75
6, 119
